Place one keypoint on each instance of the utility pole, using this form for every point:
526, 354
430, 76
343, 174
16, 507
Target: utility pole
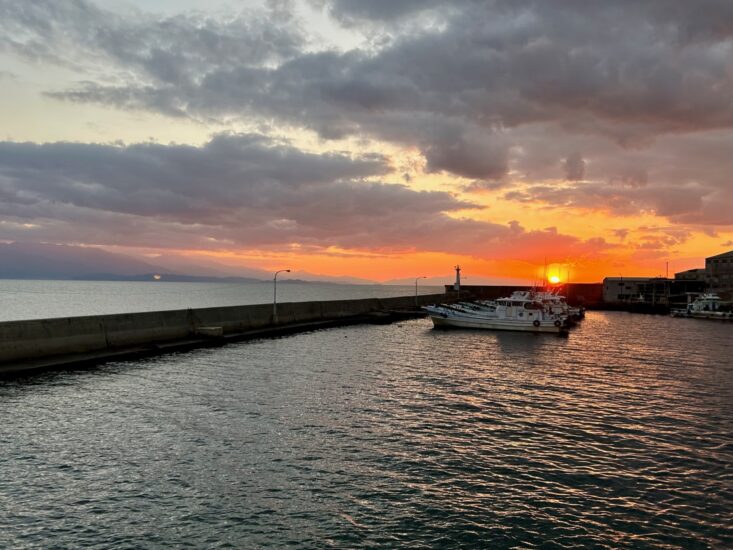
416, 280
274, 294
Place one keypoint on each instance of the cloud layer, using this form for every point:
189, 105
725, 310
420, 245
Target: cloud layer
622, 106
235, 191
464, 93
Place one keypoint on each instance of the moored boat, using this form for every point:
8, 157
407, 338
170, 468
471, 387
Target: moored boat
554, 303
518, 313
707, 306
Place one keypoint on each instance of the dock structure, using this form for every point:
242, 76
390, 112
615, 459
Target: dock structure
42, 344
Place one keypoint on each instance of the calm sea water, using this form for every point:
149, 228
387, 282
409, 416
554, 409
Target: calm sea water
619, 436
45, 299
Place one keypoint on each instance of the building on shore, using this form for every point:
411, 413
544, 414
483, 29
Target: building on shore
719, 272
623, 289
653, 291
697, 274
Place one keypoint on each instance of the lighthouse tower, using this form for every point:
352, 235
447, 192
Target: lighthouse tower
457, 284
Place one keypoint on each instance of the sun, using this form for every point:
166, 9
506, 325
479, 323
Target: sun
554, 279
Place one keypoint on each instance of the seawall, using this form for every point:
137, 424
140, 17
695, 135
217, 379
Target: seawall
54, 343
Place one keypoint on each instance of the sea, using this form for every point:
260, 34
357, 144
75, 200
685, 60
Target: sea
619, 435
33, 299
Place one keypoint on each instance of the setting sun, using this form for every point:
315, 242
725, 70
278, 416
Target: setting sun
554, 279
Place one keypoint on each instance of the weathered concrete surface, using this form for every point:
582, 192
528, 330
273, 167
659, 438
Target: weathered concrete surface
46, 343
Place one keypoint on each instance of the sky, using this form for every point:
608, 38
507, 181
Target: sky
381, 139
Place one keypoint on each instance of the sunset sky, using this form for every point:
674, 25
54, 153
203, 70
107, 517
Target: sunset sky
382, 139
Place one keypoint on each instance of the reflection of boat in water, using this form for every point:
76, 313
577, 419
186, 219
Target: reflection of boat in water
706, 306
520, 312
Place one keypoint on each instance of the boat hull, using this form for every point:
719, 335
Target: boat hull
495, 324
714, 315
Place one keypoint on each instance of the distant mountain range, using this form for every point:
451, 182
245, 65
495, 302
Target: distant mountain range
45, 261
52, 261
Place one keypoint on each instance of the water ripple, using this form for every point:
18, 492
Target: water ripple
619, 436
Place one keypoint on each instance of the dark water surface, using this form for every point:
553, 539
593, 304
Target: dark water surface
382, 436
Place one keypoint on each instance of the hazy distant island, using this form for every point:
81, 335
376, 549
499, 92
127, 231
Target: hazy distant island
65, 262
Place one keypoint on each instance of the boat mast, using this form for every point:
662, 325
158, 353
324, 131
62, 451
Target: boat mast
544, 276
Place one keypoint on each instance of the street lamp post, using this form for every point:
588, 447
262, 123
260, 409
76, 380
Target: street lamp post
416, 280
274, 294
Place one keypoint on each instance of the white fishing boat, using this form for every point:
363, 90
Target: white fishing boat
554, 302
520, 313
707, 306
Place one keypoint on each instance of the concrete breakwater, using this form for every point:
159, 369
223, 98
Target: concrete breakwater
52, 343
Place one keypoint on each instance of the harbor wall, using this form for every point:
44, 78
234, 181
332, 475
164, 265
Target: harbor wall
40, 343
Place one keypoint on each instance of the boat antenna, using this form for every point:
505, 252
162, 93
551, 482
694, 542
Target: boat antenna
544, 275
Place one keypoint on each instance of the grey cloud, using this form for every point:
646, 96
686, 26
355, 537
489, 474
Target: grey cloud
236, 190
631, 177
153, 179
642, 88
494, 65
162, 50
485, 186
355, 11
610, 69
574, 167
681, 204
674, 176
700, 20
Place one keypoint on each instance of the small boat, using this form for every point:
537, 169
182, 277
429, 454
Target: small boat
518, 312
707, 306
